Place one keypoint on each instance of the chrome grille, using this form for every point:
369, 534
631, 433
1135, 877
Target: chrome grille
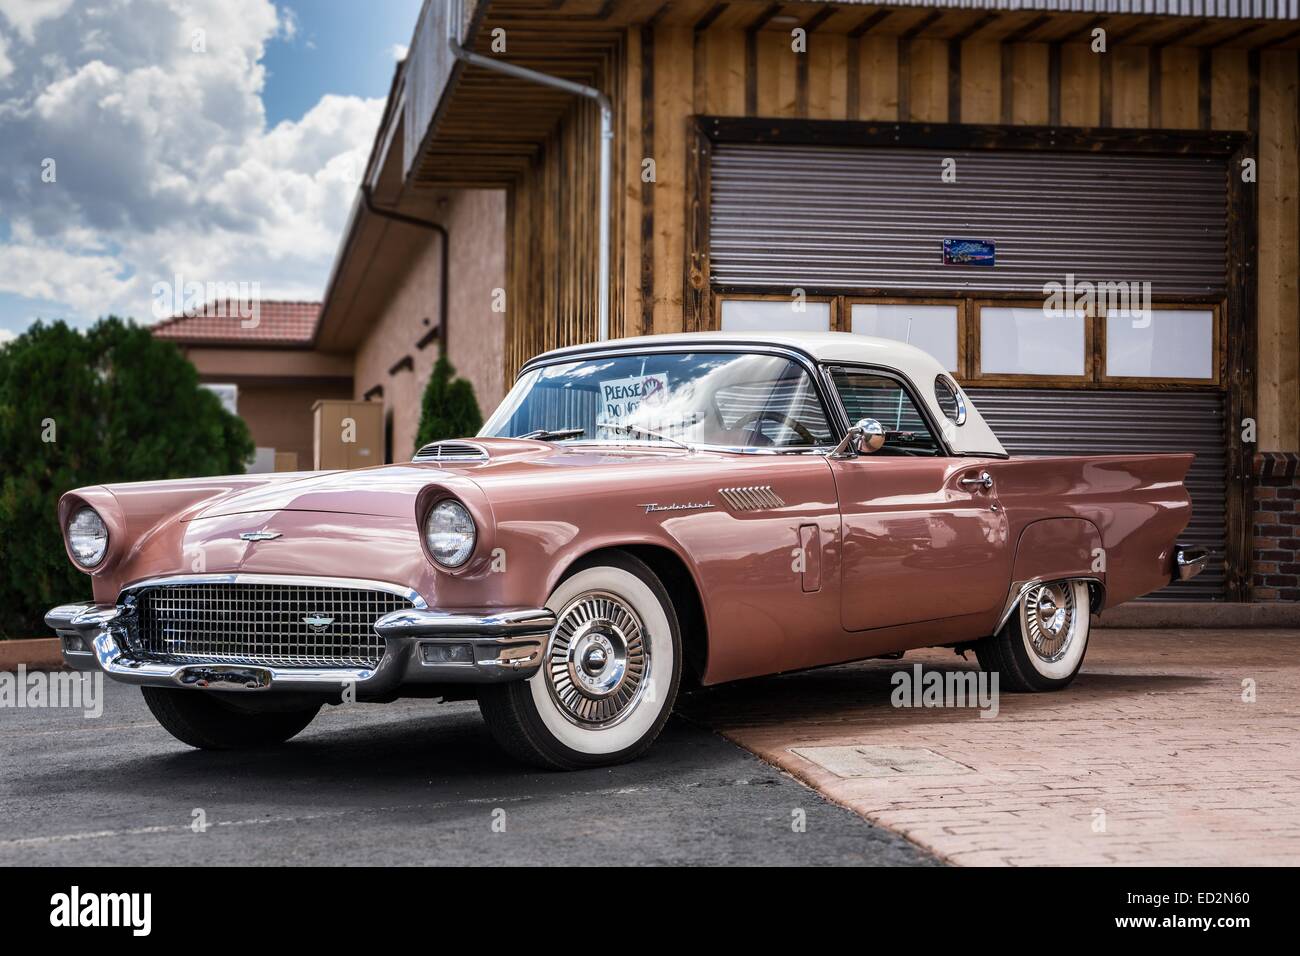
261, 624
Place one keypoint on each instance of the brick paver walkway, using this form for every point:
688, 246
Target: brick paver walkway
1151, 757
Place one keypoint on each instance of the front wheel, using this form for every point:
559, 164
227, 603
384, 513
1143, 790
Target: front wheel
201, 720
1041, 647
609, 674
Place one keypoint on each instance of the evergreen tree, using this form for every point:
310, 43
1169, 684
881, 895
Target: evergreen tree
449, 408
113, 404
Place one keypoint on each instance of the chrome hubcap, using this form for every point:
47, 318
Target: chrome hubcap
1049, 620
597, 660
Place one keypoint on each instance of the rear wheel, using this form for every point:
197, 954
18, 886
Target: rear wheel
608, 678
1042, 645
202, 720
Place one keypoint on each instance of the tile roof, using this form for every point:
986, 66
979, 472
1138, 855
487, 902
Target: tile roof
278, 323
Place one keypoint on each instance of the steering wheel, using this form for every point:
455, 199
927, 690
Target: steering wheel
753, 418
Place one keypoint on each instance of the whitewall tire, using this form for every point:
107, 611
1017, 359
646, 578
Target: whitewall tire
1043, 643
609, 674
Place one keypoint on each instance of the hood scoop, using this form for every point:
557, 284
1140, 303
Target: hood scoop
448, 452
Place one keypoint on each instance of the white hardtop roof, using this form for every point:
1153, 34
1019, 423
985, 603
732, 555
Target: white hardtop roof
974, 437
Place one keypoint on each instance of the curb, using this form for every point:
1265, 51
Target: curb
40, 652
1197, 615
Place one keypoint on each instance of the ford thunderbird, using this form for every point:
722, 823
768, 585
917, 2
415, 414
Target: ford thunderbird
638, 515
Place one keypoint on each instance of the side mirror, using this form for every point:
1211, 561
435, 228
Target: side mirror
864, 438
868, 436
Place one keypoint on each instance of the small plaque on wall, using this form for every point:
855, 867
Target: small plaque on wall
968, 252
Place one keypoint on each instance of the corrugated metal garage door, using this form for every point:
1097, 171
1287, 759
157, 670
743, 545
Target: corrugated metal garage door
821, 217
1052, 422
872, 220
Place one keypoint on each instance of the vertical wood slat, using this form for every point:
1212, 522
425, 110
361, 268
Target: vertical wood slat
777, 81
672, 104
1179, 88
1229, 90
1030, 83
928, 80
981, 78
1279, 239
1080, 85
1131, 85
633, 192
878, 78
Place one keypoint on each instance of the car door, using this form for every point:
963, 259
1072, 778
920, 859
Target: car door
924, 536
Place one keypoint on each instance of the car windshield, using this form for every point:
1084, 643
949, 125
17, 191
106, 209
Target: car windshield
730, 399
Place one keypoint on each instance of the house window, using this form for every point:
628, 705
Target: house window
931, 327
1026, 340
775, 314
1165, 343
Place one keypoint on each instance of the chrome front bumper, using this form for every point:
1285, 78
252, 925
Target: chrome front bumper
421, 647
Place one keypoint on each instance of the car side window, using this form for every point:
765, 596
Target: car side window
869, 395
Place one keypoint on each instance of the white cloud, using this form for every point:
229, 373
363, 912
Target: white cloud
27, 15
400, 50
6, 336
164, 163
6, 64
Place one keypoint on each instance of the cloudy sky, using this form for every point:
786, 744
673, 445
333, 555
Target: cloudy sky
220, 140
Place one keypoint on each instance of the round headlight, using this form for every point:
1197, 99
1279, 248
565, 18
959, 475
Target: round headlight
449, 533
87, 537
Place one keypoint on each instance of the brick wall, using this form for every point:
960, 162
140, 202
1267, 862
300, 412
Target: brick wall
1277, 526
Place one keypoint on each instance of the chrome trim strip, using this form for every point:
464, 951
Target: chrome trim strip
291, 579
503, 624
1020, 588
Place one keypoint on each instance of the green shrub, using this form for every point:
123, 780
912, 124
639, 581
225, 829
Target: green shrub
449, 408
119, 405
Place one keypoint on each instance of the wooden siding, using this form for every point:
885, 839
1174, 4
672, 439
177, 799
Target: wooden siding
1015, 71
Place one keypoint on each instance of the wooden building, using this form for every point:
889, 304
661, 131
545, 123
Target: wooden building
805, 165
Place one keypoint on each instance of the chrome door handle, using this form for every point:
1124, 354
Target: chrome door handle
985, 481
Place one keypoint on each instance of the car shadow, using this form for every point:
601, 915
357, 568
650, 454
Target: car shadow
438, 754
865, 691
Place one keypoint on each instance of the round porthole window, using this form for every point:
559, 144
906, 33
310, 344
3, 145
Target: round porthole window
950, 399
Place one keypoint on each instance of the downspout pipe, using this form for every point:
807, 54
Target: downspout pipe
444, 322
606, 156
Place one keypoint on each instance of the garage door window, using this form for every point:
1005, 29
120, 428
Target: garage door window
1164, 344
931, 327
1027, 341
775, 315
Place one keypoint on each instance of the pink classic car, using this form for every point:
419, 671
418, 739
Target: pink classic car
637, 514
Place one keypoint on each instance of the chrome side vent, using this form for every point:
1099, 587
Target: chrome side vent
751, 497
451, 451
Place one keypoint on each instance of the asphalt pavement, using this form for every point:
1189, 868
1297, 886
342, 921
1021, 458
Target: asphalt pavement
415, 782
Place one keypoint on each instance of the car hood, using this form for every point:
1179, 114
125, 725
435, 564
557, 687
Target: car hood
391, 490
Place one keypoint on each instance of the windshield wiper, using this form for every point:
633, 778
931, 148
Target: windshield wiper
553, 434
630, 429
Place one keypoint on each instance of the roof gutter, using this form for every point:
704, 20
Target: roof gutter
606, 154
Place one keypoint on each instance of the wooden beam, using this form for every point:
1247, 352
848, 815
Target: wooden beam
751, 56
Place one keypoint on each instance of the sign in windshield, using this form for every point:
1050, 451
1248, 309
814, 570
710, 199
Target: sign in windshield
700, 398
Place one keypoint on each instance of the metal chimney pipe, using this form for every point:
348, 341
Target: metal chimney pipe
606, 155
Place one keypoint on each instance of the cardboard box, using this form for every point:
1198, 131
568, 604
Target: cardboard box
347, 434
